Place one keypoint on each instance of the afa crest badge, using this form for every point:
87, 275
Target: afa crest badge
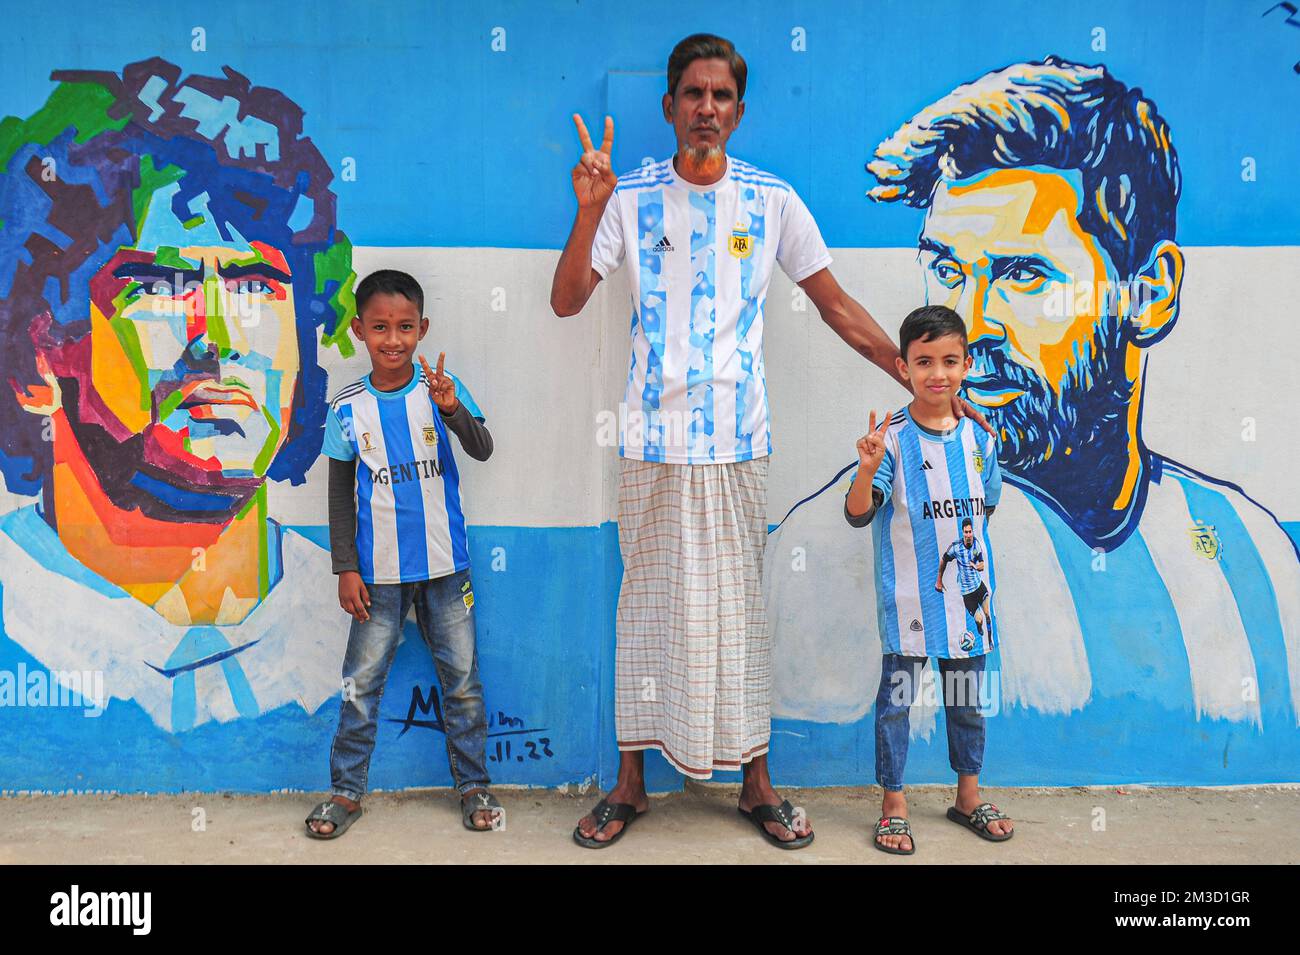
741, 244
430, 436
1205, 540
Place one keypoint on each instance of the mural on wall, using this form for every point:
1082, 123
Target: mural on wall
169, 266
1050, 194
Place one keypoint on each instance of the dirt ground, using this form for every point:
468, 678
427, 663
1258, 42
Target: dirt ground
1080, 825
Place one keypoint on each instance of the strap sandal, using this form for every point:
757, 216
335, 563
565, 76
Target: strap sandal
894, 826
979, 819
782, 814
479, 802
332, 812
606, 812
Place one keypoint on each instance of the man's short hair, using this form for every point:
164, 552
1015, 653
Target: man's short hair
112, 140
389, 282
929, 322
1056, 114
706, 46
967, 522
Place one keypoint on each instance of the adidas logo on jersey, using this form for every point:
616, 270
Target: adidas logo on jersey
915, 626
661, 247
925, 466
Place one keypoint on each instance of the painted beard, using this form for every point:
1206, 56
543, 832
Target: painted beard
1088, 407
705, 160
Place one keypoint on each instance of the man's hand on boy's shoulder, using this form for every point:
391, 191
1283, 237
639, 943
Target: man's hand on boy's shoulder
441, 388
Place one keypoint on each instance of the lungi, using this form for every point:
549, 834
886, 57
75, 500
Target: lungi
693, 667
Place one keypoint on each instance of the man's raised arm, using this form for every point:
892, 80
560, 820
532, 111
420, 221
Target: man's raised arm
593, 184
854, 324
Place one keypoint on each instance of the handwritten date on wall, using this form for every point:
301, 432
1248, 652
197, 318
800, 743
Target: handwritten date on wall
509, 739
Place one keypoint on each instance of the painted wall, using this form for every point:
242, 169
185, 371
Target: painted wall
173, 542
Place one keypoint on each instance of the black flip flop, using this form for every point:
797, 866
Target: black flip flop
607, 812
482, 801
978, 820
894, 826
782, 814
332, 812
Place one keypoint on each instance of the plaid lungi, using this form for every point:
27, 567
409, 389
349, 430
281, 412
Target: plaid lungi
693, 670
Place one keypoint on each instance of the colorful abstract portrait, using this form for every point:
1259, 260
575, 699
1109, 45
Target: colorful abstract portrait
170, 265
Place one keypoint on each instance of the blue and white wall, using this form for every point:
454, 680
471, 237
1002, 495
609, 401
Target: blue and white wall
456, 120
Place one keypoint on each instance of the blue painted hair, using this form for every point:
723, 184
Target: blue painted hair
1052, 113
102, 134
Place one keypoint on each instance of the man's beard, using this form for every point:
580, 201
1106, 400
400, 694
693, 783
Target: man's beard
705, 160
1089, 407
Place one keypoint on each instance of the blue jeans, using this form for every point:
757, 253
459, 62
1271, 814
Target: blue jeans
447, 625
900, 678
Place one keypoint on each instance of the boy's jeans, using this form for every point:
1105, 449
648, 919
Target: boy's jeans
961, 713
447, 626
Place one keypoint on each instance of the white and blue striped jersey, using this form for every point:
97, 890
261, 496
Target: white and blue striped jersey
410, 526
931, 483
968, 578
700, 260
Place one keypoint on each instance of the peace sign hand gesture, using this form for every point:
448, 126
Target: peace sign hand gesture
441, 388
593, 177
871, 446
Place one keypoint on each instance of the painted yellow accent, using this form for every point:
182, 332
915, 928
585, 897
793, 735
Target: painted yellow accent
993, 401
1133, 368
234, 609
171, 605
110, 368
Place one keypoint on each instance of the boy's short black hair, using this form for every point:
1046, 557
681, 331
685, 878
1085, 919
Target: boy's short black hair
389, 282
921, 324
967, 522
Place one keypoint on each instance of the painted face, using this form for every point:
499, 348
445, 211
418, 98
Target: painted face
967, 534
706, 108
193, 345
1005, 250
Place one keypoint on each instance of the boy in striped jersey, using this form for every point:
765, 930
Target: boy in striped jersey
402, 543
921, 475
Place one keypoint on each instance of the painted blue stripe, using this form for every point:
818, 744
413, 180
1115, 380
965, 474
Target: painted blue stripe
1130, 630
654, 311
1252, 589
408, 499
451, 497
925, 542
182, 499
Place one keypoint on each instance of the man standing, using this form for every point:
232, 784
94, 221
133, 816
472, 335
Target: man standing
703, 231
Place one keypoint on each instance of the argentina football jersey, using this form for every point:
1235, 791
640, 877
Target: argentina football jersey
410, 526
934, 487
700, 260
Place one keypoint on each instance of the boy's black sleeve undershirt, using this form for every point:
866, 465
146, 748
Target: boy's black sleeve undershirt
473, 434
862, 520
343, 515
